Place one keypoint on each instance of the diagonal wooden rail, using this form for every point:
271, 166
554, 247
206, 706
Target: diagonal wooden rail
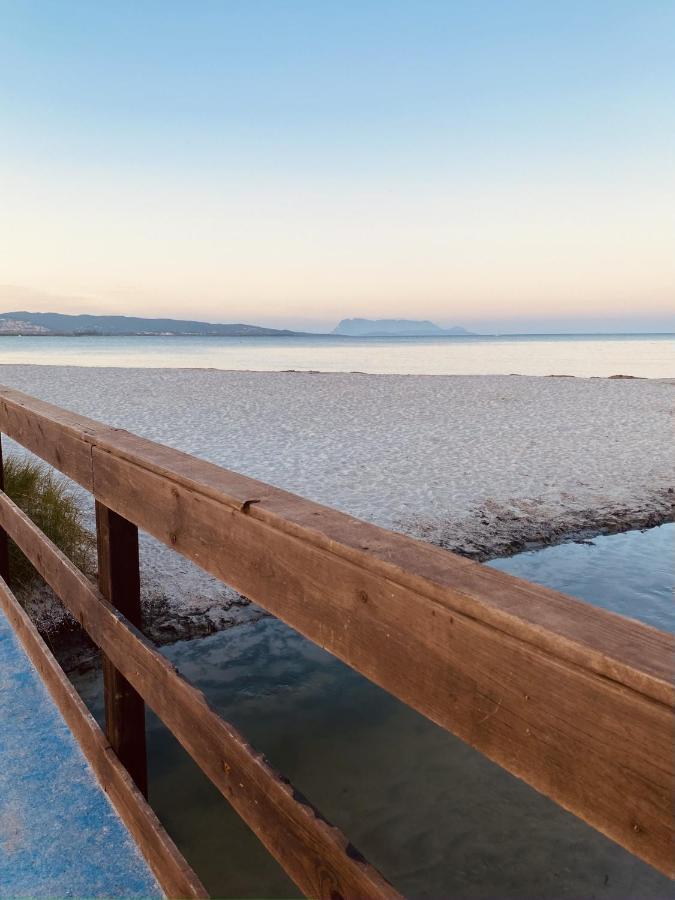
314, 853
163, 857
574, 700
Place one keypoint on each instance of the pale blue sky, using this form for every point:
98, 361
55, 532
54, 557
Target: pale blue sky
297, 162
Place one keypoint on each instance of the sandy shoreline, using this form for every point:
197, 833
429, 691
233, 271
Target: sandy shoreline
482, 465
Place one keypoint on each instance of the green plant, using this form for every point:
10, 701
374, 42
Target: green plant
46, 498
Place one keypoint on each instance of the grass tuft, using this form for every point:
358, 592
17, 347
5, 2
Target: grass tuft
46, 498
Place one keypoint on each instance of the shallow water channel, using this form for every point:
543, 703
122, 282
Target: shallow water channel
433, 815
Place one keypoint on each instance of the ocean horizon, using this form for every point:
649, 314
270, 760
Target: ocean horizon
641, 355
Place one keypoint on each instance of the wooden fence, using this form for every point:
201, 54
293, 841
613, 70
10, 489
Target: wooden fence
574, 700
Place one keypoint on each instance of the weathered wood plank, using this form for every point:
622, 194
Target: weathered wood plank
625, 651
59, 440
120, 583
4, 541
315, 854
599, 748
173, 873
571, 698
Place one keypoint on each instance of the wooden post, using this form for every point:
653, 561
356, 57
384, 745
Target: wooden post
119, 582
4, 543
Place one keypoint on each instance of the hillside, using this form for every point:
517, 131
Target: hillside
29, 323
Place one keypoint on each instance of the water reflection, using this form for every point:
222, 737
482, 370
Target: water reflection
437, 818
630, 573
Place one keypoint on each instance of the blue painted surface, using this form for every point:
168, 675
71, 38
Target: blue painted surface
59, 834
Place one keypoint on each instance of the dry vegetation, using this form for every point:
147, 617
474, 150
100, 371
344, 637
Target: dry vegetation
46, 498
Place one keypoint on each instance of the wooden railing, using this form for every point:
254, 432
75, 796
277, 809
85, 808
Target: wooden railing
574, 700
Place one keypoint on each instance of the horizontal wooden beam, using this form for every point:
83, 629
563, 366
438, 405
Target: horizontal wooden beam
573, 699
314, 853
168, 865
623, 650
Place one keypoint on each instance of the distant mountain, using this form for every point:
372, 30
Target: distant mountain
58, 323
399, 327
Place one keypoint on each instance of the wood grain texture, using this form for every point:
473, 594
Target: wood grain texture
168, 865
623, 650
4, 541
60, 441
314, 853
120, 583
573, 699
599, 748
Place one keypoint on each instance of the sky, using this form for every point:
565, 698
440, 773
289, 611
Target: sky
498, 164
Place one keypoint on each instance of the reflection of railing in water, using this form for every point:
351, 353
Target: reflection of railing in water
574, 700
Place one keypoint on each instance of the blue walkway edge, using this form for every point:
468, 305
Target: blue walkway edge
59, 834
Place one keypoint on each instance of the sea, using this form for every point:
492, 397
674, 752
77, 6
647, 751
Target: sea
581, 355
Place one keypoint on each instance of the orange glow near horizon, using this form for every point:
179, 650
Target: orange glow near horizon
226, 252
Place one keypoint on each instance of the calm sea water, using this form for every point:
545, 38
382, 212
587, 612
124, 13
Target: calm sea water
435, 816
647, 356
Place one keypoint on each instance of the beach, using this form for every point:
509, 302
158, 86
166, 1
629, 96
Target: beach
481, 465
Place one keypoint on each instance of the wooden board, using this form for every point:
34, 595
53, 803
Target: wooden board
575, 700
119, 582
314, 853
626, 651
4, 543
173, 873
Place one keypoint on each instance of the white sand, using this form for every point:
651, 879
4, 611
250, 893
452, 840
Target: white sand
480, 464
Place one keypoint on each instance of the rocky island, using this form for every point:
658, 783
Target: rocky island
395, 328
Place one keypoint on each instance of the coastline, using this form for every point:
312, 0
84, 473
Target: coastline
484, 466
499, 531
